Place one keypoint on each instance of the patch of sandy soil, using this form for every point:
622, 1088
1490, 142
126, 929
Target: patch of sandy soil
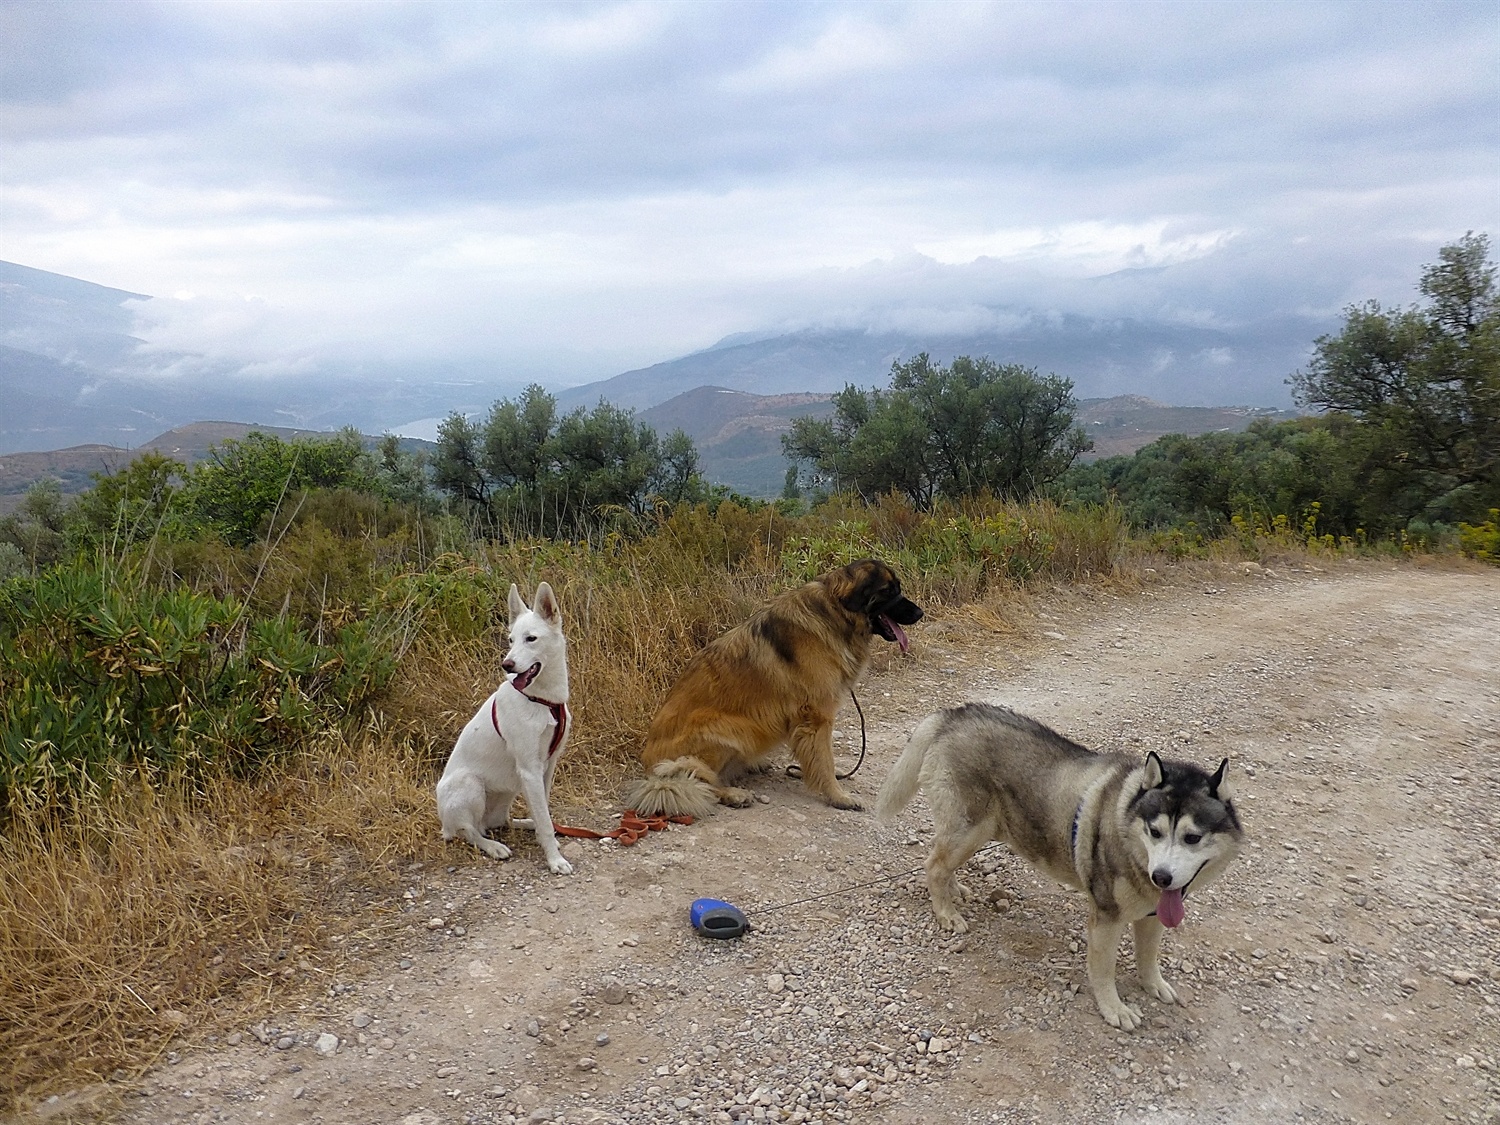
1347, 969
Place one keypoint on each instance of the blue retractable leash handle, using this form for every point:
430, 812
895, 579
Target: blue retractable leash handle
714, 918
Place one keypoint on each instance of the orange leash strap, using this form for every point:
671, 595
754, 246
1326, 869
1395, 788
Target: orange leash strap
633, 828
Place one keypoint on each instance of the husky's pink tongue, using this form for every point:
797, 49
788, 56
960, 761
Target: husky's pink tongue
900, 633
1170, 910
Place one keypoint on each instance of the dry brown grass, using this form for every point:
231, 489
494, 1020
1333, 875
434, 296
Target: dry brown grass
158, 909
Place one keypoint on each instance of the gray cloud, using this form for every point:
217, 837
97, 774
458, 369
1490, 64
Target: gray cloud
565, 190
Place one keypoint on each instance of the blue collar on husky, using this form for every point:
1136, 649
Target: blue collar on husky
1073, 837
559, 718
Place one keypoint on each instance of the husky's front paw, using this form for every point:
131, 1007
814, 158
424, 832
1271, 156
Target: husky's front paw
736, 798
950, 919
1156, 986
1119, 1014
560, 866
840, 799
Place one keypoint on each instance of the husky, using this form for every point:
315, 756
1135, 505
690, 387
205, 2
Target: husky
514, 741
1132, 835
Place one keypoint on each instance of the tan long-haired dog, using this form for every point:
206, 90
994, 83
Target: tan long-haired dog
779, 677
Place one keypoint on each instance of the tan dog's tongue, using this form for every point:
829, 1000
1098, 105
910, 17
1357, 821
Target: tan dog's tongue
1170, 909
900, 633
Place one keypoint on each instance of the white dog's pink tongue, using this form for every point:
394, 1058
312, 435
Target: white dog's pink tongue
1170, 909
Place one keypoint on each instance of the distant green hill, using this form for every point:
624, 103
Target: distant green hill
74, 468
738, 434
1125, 423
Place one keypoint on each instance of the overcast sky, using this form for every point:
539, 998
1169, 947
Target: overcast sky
566, 190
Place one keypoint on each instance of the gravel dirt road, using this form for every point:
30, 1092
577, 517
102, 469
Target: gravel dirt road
1347, 969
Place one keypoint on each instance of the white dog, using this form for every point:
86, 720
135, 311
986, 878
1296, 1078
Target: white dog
513, 743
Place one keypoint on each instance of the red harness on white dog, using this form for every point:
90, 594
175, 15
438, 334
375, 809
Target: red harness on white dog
559, 717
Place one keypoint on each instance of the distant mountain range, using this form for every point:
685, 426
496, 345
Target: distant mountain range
71, 373
1103, 358
75, 380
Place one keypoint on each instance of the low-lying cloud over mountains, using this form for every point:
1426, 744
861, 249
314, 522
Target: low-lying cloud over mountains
74, 368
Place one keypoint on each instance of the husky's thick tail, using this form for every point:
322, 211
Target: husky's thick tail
905, 778
677, 787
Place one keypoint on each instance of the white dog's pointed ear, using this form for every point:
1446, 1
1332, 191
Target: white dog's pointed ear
517, 606
1218, 785
1153, 775
546, 605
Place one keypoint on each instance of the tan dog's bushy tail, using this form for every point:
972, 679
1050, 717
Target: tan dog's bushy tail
905, 778
676, 787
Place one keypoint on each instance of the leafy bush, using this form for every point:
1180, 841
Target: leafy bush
970, 428
127, 507
100, 675
37, 528
1426, 380
1482, 541
527, 471
233, 491
12, 561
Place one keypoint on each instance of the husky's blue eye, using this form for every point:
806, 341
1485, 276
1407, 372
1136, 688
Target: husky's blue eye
1191, 838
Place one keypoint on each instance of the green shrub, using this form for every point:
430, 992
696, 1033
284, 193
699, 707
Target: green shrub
1482, 541
12, 561
101, 675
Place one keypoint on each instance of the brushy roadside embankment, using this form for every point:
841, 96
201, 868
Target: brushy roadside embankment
216, 762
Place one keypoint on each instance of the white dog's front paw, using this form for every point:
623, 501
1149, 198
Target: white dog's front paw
560, 866
1119, 1014
492, 848
1159, 988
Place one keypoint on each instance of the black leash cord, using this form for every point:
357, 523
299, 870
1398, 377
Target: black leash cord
795, 769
